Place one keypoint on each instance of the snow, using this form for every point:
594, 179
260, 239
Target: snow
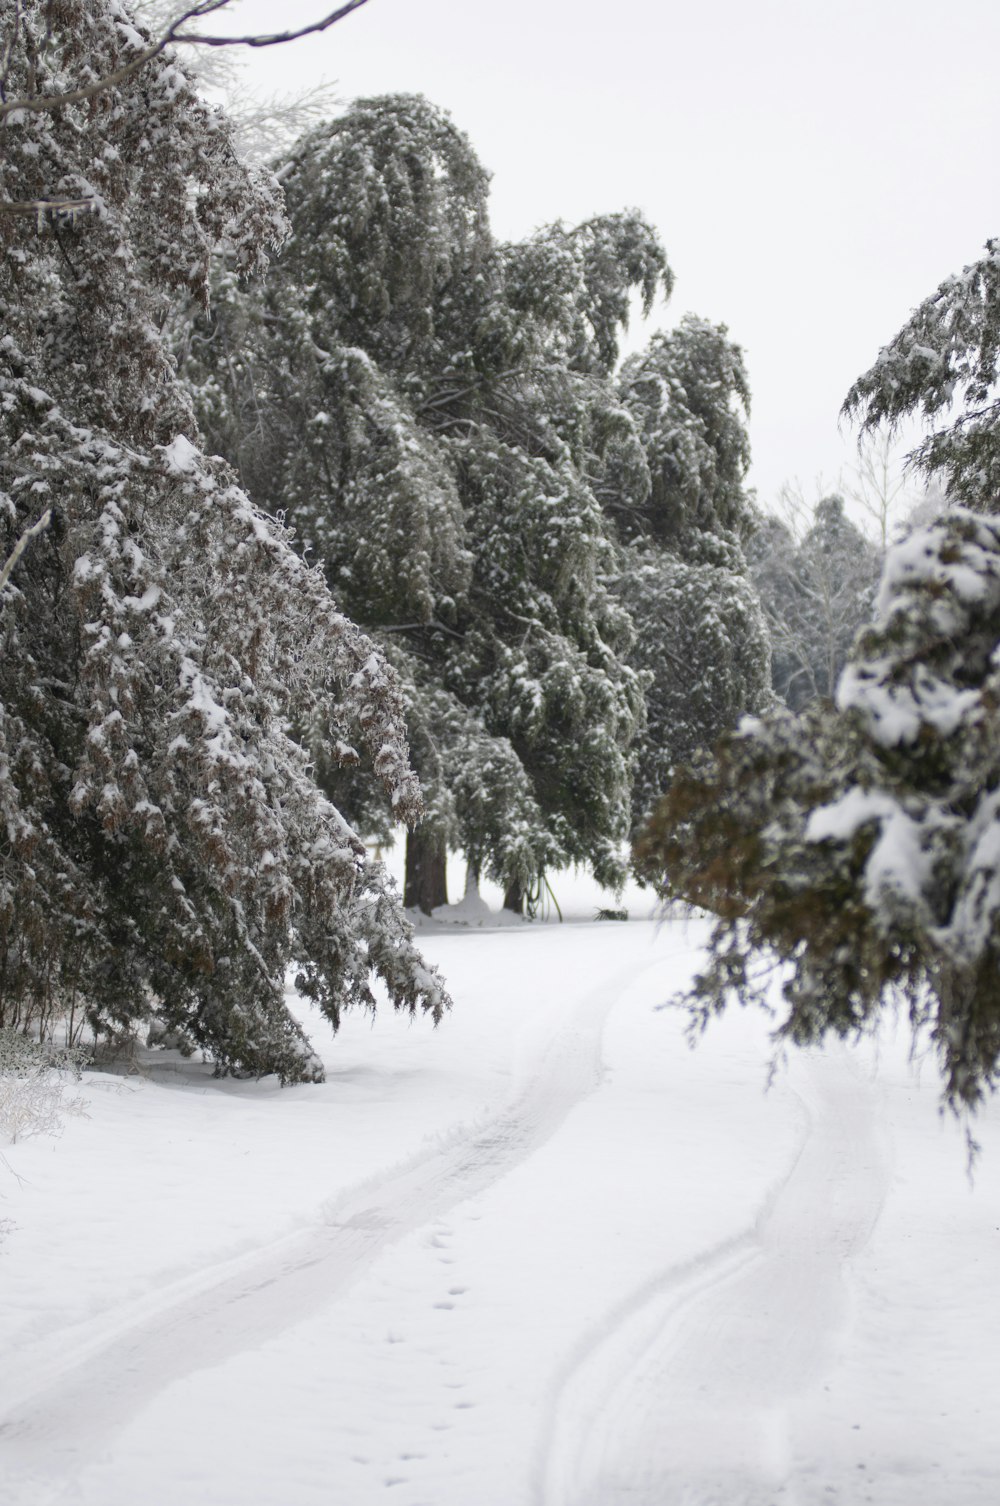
181, 456
897, 861
843, 817
895, 713
542, 1255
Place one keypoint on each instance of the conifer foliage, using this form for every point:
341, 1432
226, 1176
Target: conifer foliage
435, 412
164, 848
947, 355
859, 844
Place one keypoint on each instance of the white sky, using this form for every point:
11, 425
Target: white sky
814, 169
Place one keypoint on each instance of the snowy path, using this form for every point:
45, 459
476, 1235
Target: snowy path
684, 1398
87, 1396
545, 1256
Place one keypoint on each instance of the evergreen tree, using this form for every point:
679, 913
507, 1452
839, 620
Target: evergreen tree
165, 848
435, 413
701, 642
859, 844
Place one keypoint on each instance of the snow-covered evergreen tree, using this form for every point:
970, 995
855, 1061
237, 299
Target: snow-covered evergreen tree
434, 412
860, 844
701, 641
165, 847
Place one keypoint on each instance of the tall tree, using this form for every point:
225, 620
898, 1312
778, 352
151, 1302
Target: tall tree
165, 849
435, 413
684, 518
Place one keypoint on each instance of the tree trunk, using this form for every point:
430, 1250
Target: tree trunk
425, 884
514, 898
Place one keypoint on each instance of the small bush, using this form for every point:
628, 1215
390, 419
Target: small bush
33, 1084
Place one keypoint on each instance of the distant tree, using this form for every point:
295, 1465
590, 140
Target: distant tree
434, 412
701, 642
859, 845
817, 587
166, 850
881, 485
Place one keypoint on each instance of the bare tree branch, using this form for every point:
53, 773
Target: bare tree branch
174, 34
272, 39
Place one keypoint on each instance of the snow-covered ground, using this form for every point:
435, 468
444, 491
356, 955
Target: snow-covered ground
544, 1255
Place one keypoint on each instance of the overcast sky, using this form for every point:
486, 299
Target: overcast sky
814, 169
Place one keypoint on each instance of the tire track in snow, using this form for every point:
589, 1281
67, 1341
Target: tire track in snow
67, 1411
680, 1397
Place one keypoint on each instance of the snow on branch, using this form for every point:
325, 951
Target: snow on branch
174, 34
31, 532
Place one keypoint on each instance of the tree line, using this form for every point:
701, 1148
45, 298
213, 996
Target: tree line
363, 541
547, 549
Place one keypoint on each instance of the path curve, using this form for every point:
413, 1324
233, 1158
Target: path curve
681, 1395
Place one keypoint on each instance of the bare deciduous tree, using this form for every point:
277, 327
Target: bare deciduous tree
816, 573
880, 484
